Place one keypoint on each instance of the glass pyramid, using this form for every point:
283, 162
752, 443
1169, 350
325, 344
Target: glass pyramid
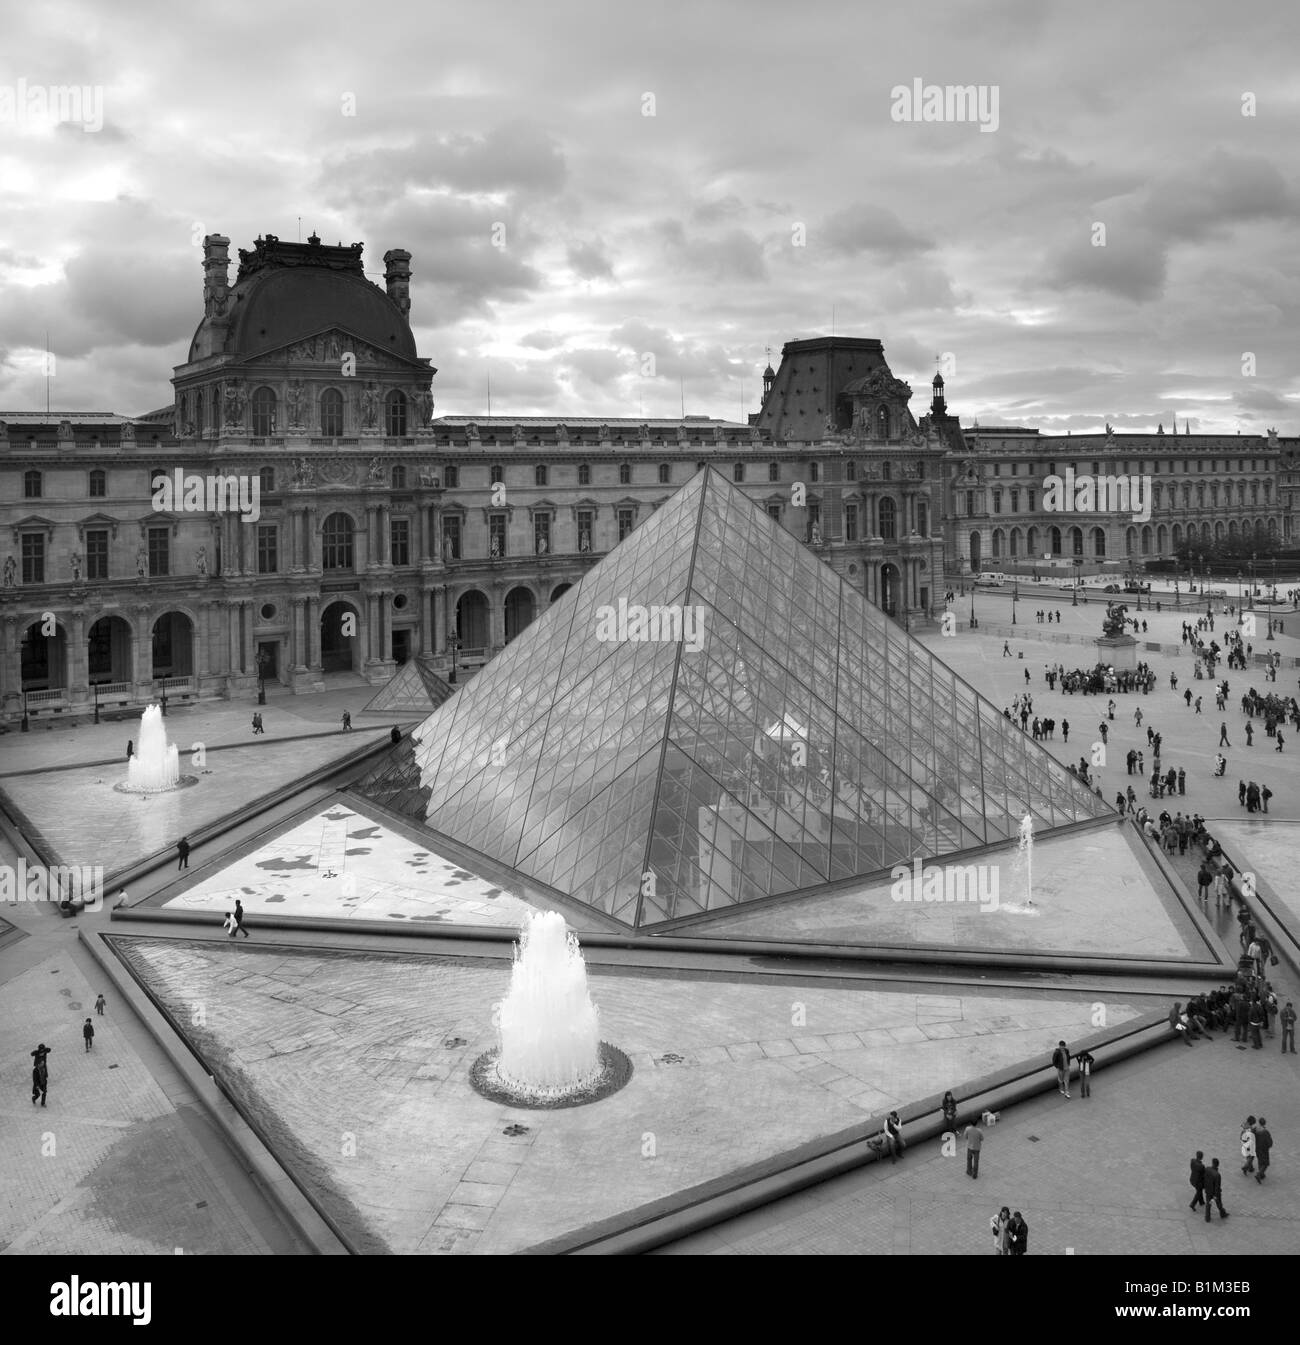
415, 686
795, 737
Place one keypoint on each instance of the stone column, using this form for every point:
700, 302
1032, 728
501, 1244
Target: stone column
374, 546
361, 547
313, 615
385, 551
310, 540
11, 677
298, 651
78, 669
203, 655
497, 617
250, 641
232, 637
139, 673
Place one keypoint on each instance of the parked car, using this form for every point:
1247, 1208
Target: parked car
1131, 587
1113, 588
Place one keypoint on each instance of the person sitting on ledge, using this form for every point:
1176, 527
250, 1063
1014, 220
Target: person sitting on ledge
1179, 1022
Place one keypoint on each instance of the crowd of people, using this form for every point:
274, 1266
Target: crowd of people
1099, 680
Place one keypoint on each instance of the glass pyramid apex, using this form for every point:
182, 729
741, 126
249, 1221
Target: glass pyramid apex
713, 716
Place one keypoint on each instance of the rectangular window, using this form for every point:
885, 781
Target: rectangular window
774, 512
400, 539
450, 537
1015, 501
97, 555
970, 504
814, 519
997, 469
586, 530
542, 534
850, 522
1051, 469
997, 501
268, 554
1014, 468
626, 522
1029, 501
159, 552
496, 535
33, 558
98, 485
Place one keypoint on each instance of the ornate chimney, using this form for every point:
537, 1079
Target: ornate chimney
397, 277
216, 277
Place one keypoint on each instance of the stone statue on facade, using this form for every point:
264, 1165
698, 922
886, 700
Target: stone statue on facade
141, 561
11, 572
201, 562
236, 402
429, 477
304, 474
370, 406
75, 561
423, 400
561, 433
375, 472
296, 401
333, 348
128, 434
828, 427
517, 434
471, 433
683, 434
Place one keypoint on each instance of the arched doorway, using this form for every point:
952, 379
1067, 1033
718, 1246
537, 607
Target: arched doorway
173, 646
108, 651
519, 611
890, 588
975, 553
1055, 537
472, 627
44, 658
559, 591
340, 638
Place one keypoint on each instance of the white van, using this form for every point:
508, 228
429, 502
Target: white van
1214, 593
990, 579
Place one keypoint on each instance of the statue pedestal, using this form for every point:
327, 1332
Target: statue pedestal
1117, 651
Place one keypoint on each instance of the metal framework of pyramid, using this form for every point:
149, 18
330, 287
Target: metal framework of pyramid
796, 737
415, 686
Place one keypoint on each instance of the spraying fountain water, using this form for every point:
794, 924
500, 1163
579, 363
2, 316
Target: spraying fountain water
550, 1054
155, 767
1025, 866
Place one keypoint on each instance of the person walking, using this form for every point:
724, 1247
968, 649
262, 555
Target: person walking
974, 1143
1223, 735
1137, 717
1278, 748
347, 721
1250, 734
1203, 880
1214, 1190
183, 853
1061, 1064
1248, 1146
229, 925
1198, 1180
257, 725
1256, 1025
88, 1032
239, 918
1287, 1018
99, 1006
1000, 1223
1019, 1234
1065, 730
40, 1073
1263, 1146
1085, 1062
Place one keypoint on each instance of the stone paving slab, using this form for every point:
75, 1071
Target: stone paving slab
701, 1117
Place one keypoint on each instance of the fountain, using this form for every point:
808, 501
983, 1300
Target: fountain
155, 767
550, 1052
1025, 865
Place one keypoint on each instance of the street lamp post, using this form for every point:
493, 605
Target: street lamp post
95, 689
262, 661
1015, 595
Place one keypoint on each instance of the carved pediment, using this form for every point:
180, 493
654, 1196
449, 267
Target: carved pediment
32, 523
327, 348
97, 521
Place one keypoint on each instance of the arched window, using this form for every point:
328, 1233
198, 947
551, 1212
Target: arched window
263, 413
331, 413
399, 478
539, 474
624, 473
266, 480
32, 485
882, 422
336, 543
1254, 492
665, 474
1013, 540
738, 472
1076, 541
584, 474
923, 523
997, 543
773, 471
98, 484
1098, 541
1130, 541
498, 474
888, 519
1031, 543
1056, 541
451, 476
886, 471
200, 410
395, 414
814, 471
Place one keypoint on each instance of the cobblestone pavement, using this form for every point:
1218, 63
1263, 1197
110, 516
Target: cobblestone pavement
1099, 1175
115, 1162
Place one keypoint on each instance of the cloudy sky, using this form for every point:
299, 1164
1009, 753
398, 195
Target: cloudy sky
560, 235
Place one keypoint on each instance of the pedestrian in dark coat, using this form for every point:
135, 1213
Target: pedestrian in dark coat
1214, 1190
239, 918
40, 1073
1263, 1144
1198, 1180
183, 853
88, 1032
1019, 1234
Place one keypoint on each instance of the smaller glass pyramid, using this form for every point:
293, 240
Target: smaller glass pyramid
711, 716
414, 687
